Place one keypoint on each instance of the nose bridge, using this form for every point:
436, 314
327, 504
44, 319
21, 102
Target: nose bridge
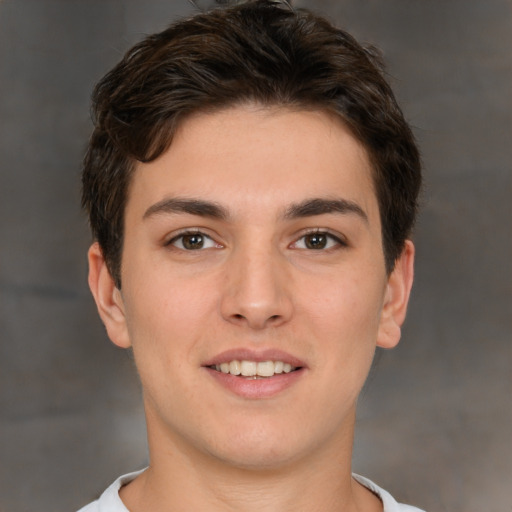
256, 293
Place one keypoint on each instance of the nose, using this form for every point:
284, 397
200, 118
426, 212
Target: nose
256, 291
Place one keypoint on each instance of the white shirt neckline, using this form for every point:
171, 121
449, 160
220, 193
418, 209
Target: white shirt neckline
110, 501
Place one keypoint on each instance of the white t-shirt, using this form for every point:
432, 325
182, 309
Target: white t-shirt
110, 501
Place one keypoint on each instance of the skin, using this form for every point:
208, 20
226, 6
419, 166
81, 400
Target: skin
255, 284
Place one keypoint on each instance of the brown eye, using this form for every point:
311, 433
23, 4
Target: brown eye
192, 242
316, 241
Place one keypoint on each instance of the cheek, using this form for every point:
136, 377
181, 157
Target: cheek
165, 296
164, 327
348, 306
164, 315
346, 315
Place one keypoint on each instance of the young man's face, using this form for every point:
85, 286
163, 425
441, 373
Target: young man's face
256, 237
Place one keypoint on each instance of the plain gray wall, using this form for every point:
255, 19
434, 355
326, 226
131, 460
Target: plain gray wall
434, 423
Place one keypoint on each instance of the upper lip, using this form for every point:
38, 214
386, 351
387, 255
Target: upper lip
259, 356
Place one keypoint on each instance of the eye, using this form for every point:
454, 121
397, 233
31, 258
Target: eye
318, 240
193, 241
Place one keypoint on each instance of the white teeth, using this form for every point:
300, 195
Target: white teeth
234, 368
248, 368
265, 369
254, 369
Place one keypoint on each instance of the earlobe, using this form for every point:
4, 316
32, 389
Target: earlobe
107, 297
398, 290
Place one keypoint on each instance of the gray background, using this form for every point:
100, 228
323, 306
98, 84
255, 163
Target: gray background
435, 418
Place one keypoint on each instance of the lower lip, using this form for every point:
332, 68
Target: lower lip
267, 387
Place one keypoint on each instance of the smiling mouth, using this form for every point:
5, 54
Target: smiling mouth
253, 369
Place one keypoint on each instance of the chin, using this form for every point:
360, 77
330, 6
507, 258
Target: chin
258, 458
261, 449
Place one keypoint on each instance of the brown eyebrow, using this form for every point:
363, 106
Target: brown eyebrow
306, 208
186, 205
320, 206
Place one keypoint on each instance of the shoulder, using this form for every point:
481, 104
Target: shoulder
92, 507
110, 501
389, 503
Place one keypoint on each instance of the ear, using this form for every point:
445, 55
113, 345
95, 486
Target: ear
108, 298
396, 298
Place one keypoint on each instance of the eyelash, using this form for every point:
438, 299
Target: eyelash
190, 233
339, 241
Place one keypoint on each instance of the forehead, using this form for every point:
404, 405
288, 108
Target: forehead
259, 157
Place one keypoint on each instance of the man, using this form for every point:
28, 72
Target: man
251, 185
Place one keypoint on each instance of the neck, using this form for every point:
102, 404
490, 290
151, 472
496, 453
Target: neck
181, 479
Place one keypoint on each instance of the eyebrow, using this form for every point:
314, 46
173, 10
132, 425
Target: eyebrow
320, 206
190, 206
306, 208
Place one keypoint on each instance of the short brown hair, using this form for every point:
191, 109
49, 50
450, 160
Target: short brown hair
260, 51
